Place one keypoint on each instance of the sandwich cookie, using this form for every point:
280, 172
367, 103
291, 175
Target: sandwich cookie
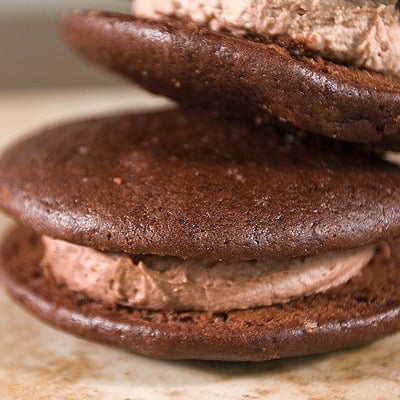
180, 236
271, 63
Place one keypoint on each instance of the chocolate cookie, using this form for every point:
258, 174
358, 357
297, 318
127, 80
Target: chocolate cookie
251, 78
366, 308
188, 185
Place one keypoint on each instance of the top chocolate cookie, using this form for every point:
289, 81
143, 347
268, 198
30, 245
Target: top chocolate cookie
259, 78
185, 184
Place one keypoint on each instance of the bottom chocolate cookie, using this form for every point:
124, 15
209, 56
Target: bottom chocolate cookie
365, 309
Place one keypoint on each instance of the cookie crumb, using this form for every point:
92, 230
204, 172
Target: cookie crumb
310, 326
83, 150
258, 121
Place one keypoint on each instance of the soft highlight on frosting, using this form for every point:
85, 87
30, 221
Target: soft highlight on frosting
168, 283
363, 33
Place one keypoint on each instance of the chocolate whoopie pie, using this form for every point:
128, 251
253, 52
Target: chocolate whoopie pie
330, 68
180, 236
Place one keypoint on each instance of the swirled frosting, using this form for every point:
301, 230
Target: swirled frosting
363, 33
169, 283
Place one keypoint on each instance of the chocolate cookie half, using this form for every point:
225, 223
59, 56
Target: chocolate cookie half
182, 236
367, 308
253, 77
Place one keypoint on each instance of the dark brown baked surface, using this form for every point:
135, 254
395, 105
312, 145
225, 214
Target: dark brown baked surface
249, 79
363, 310
188, 185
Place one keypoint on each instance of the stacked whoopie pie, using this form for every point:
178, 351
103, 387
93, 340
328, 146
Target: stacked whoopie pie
221, 230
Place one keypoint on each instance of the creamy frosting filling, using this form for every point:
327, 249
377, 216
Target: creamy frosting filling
169, 283
363, 33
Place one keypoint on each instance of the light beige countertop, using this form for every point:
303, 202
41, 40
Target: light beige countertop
39, 362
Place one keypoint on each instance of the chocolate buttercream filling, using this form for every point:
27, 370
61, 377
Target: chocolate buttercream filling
362, 33
169, 283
